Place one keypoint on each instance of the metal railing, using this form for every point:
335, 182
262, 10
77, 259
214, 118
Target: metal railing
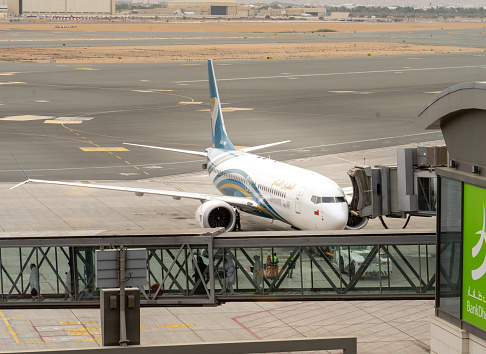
194, 268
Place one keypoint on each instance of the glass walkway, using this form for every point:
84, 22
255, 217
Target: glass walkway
207, 267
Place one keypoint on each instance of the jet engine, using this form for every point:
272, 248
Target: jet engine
215, 213
356, 222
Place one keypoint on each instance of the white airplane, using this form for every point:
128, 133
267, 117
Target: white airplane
254, 184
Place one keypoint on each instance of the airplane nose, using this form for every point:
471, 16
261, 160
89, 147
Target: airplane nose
338, 217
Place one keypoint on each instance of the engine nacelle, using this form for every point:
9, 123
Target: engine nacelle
356, 222
216, 213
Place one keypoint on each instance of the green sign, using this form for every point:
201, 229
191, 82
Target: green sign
474, 256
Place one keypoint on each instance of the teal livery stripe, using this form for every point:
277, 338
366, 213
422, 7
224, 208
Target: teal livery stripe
232, 187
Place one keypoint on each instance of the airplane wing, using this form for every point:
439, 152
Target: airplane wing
202, 197
253, 148
189, 152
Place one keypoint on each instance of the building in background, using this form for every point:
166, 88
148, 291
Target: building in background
60, 7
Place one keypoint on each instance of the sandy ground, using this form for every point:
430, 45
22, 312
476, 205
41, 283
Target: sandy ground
167, 53
239, 27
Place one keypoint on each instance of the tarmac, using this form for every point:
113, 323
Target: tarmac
342, 113
380, 326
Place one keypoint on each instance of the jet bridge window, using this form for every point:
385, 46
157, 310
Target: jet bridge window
319, 200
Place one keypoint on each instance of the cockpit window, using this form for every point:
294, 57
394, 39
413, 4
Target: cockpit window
319, 200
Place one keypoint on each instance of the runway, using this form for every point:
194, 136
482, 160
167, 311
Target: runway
20, 38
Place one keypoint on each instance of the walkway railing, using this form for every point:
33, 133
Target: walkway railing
205, 268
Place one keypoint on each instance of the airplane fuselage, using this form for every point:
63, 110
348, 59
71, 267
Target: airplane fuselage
299, 197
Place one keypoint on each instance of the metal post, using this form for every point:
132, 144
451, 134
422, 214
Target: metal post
123, 323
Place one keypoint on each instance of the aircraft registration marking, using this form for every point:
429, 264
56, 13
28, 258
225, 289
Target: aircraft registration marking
103, 149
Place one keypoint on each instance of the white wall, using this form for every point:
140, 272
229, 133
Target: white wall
67, 6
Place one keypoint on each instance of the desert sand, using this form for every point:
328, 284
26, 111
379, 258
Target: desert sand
239, 27
130, 53
168, 53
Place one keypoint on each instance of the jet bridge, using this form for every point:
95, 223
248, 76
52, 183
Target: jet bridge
407, 189
192, 267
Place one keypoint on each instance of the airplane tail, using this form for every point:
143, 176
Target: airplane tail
220, 138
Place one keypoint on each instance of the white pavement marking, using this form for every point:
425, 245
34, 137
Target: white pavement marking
332, 74
359, 141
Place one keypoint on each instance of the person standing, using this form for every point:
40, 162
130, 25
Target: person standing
230, 274
237, 220
291, 260
34, 282
257, 271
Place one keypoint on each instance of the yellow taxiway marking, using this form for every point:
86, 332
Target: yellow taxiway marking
25, 118
478, 55
146, 173
118, 157
10, 329
103, 149
152, 91
175, 325
433, 92
11, 83
127, 162
76, 322
87, 340
54, 121
190, 102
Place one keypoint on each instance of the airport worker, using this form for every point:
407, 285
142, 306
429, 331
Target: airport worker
230, 274
34, 282
257, 271
274, 260
237, 221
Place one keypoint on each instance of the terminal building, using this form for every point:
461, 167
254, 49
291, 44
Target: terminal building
60, 7
204, 7
460, 322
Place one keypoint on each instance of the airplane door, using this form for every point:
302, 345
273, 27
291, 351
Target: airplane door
298, 199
